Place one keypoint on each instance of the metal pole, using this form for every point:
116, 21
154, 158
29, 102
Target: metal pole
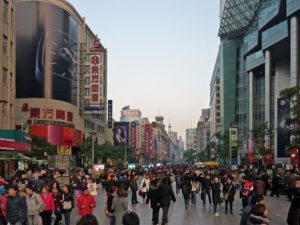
125, 158
93, 151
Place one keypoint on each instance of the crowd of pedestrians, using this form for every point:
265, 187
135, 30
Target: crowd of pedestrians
35, 197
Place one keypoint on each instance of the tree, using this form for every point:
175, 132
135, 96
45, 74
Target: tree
293, 120
223, 147
259, 132
189, 155
38, 148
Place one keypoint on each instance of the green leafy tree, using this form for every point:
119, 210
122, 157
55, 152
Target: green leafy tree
293, 120
259, 133
190, 155
38, 148
223, 147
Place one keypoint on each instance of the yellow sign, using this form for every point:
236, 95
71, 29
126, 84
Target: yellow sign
64, 150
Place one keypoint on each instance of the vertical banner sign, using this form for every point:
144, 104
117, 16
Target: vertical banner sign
233, 137
283, 139
96, 59
109, 114
147, 136
95, 84
250, 149
120, 133
138, 140
133, 135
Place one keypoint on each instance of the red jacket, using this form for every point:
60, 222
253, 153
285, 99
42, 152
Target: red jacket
49, 201
86, 203
3, 200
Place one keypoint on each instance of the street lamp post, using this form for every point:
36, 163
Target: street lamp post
93, 149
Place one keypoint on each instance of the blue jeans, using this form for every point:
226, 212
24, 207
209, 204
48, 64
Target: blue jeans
112, 220
67, 215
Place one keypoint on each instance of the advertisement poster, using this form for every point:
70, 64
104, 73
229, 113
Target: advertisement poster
47, 52
283, 138
120, 133
110, 114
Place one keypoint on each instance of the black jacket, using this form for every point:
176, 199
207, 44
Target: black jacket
294, 211
230, 189
258, 220
16, 209
206, 184
166, 194
68, 197
216, 191
154, 197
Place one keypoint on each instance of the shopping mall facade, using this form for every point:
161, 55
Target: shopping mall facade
258, 58
58, 74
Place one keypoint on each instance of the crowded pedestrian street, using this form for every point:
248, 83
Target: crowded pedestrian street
195, 215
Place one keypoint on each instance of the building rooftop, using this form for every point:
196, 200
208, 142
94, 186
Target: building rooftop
237, 16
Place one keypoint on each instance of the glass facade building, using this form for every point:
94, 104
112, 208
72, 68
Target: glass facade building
258, 57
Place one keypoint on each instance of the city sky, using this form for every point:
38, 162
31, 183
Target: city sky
161, 54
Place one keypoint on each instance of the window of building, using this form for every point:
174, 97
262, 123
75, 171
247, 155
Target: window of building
4, 10
87, 92
4, 108
4, 45
11, 51
4, 76
87, 80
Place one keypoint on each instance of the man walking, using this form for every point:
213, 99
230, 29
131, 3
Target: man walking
16, 207
166, 194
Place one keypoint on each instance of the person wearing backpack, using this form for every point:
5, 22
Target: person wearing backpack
35, 205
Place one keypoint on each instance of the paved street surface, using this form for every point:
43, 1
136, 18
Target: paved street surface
196, 214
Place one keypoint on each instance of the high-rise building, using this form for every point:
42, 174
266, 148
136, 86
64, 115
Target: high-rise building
258, 57
191, 139
61, 74
215, 107
203, 131
130, 115
7, 65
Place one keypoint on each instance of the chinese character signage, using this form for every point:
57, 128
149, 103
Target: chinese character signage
96, 78
148, 135
110, 114
133, 135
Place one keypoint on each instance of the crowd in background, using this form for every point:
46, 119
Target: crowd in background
35, 197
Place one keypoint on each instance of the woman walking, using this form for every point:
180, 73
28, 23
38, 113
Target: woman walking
229, 192
216, 191
67, 203
49, 208
120, 206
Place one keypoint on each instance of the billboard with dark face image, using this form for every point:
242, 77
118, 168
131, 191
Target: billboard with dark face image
47, 40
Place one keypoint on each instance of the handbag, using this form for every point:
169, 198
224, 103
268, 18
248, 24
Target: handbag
142, 194
226, 195
67, 205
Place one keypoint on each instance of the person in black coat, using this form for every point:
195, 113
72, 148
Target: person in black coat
229, 193
186, 188
206, 189
166, 194
216, 191
275, 185
67, 196
294, 211
154, 200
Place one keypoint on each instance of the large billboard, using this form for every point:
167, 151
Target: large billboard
47, 52
283, 139
121, 133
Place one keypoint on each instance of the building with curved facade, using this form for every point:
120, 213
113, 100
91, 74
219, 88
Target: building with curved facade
61, 73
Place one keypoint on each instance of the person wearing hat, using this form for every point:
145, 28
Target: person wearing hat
86, 202
16, 207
